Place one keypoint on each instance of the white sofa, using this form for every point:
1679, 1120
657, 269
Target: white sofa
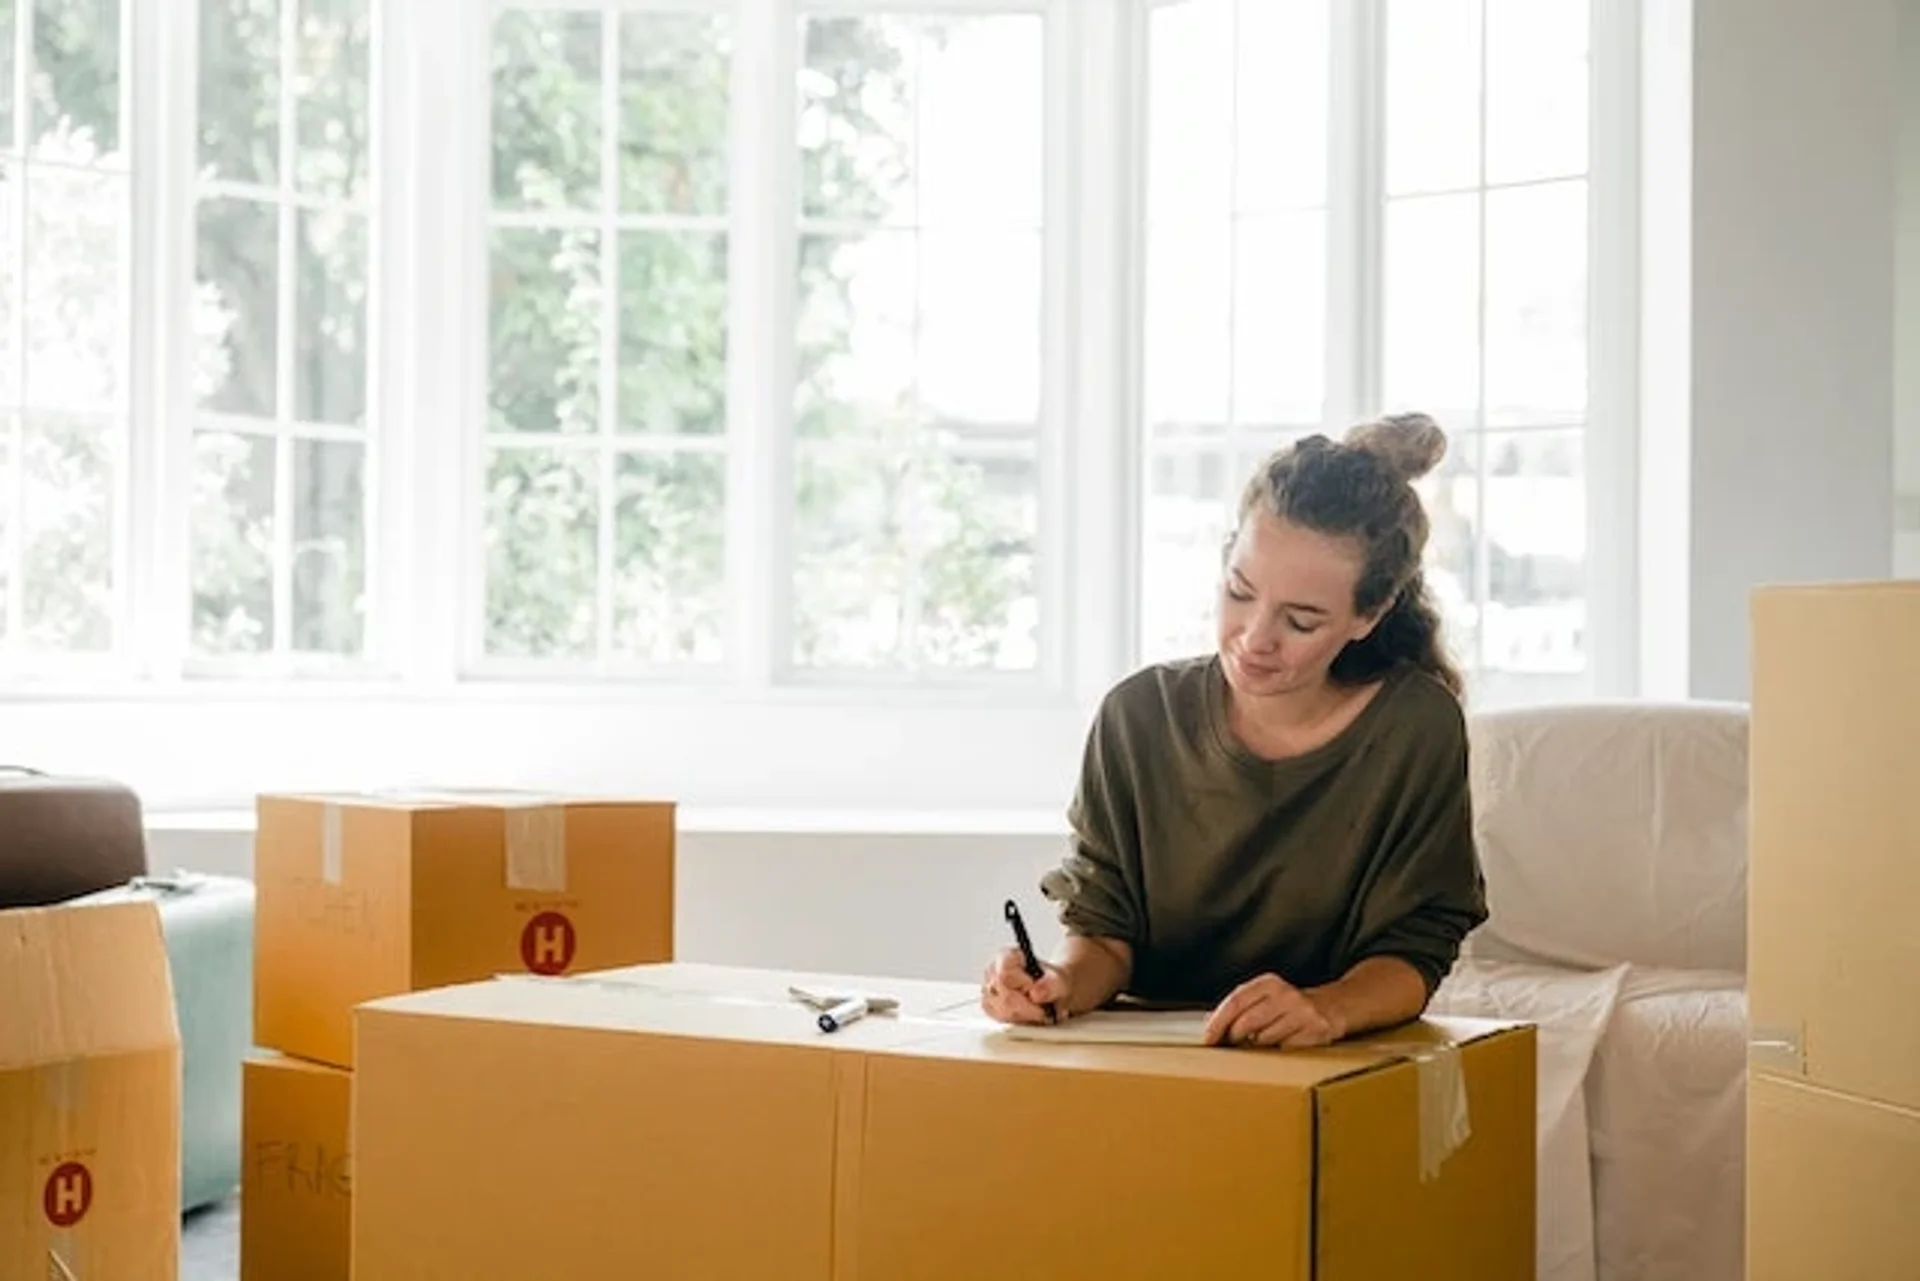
1614, 842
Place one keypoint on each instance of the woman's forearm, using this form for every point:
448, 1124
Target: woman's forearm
1381, 991
1096, 969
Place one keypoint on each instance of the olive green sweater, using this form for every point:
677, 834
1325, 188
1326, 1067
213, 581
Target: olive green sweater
1216, 865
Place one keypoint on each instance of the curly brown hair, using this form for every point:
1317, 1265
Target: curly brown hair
1362, 488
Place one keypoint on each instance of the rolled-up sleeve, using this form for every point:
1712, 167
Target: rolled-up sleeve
1097, 884
1428, 892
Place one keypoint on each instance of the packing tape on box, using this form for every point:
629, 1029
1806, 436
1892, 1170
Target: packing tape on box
1444, 1121
64, 1086
536, 830
331, 821
1777, 1047
536, 847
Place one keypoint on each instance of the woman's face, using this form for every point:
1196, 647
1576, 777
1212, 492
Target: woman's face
1286, 606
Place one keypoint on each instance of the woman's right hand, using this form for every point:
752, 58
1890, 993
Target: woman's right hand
1009, 995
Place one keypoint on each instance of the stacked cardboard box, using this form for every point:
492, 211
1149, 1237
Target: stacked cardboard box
1833, 1129
361, 897
89, 1094
693, 1121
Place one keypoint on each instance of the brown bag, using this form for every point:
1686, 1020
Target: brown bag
61, 837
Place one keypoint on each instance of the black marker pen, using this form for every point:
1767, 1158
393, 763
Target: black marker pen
1033, 967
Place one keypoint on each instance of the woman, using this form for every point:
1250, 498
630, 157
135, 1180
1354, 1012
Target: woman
1281, 830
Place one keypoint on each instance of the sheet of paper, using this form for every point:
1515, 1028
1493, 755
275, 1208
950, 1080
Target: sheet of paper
1122, 1027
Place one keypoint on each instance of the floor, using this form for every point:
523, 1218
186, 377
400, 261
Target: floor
210, 1244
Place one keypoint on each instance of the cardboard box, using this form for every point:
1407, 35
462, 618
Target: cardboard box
89, 1095
689, 1122
368, 896
1830, 1185
297, 1175
1834, 864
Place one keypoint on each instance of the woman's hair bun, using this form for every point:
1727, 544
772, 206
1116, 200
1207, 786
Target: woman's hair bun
1411, 445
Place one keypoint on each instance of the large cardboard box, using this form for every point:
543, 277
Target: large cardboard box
89, 1095
368, 896
686, 1122
1831, 1181
1834, 863
297, 1179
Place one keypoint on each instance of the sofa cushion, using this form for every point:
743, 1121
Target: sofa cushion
1613, 833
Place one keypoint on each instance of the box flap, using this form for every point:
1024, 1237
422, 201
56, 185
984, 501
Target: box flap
667, 1000
1291, 1069
83, 980
934, 1019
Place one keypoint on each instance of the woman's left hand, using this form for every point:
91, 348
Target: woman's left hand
1271, 1011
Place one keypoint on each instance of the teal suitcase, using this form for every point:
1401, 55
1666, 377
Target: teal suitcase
208, 923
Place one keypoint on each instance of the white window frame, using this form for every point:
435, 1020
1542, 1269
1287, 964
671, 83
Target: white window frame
178, 192
763, 229
420, 689
124, 445
1355, 311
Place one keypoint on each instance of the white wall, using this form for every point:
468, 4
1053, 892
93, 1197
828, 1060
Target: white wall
1781, 408
1906, 384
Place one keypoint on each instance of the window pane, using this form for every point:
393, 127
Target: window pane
1185, 525
233, 487
852, 563
8, 18
330, 319
1451, 493
68, 527
1537, 82
857, 118
236, 307
855, 338
547, 69
669, 582
1433, 95
980, 328
542, 523
914, 547
675, 72
1537, 304
1190, 131
12, 255
1280, 318
915, 557
76, 84
1189, 319
1280, 118
329, 547
332, 82
673, 332
76, 288
545, 331
240, 90
980, 127
1537, 556
1432, 313
979, 593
